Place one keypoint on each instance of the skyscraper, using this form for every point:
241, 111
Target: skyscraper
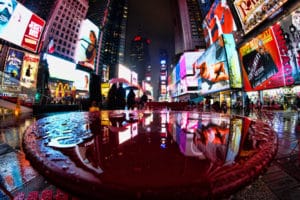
113, 38
139, 55
188, 26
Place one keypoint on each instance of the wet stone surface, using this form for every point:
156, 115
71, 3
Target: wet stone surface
163, 153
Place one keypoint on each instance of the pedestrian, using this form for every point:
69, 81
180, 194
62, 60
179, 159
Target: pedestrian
121, 95
143, 100
112, 97
131, 100
224, 107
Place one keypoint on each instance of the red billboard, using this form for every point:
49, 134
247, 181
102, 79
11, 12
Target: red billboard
20, 26
271, 59
218, 21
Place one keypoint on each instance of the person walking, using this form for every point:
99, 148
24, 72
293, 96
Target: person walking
121, 95
112, 97
143, 100
131, 100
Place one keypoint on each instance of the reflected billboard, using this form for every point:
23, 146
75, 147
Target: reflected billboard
66, 70
86, 48
218, 21
186, 62
20, 26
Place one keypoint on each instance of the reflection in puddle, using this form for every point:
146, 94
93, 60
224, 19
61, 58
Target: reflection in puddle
150, 150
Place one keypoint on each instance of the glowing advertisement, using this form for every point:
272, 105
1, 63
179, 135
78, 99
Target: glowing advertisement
124, 72
287, 33
12, 67
234, 140
212, 69
29, 70
233, 61
218, 21
186, 63
212, 138
262, 67
20, 26
253, 13
86, 50
65, 70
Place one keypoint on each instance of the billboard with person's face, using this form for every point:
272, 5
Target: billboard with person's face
268, 59
66, 70
86, 49
19, 25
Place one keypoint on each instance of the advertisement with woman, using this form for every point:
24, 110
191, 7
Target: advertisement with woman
29, 70
212, 68
86, 50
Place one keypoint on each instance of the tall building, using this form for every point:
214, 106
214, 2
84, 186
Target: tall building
40, 8
188, 26
113, 38
139, 56
63, 26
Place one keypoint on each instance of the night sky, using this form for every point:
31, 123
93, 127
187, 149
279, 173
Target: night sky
154, 16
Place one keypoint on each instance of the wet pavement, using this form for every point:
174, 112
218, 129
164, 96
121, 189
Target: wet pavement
280, 181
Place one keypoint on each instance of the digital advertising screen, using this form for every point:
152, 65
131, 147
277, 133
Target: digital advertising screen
287, 34
219, 20
233, 61
186, 62
212, 69
29, 70
66, 70
13, 67
20, 26
262, 67
253, 13
86, 49
124, 72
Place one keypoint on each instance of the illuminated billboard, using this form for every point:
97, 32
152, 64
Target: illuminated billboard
21, 68
186, 62
212, 68
218, 21
20, 26
86, 49
253, 13
262, 67
65, 70
233, 61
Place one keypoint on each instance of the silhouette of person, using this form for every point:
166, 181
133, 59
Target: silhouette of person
28, 73
131, 100
143, 100
7, 8
112, 97
121, 95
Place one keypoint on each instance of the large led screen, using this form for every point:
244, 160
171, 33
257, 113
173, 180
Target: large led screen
86, 49
233, 61
20, 26
219, 20
65, 70
262, 66
287, 33
253, 13
21, 68
212, 69
186, 63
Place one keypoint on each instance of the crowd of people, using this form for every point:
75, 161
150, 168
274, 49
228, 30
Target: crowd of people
117, 99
